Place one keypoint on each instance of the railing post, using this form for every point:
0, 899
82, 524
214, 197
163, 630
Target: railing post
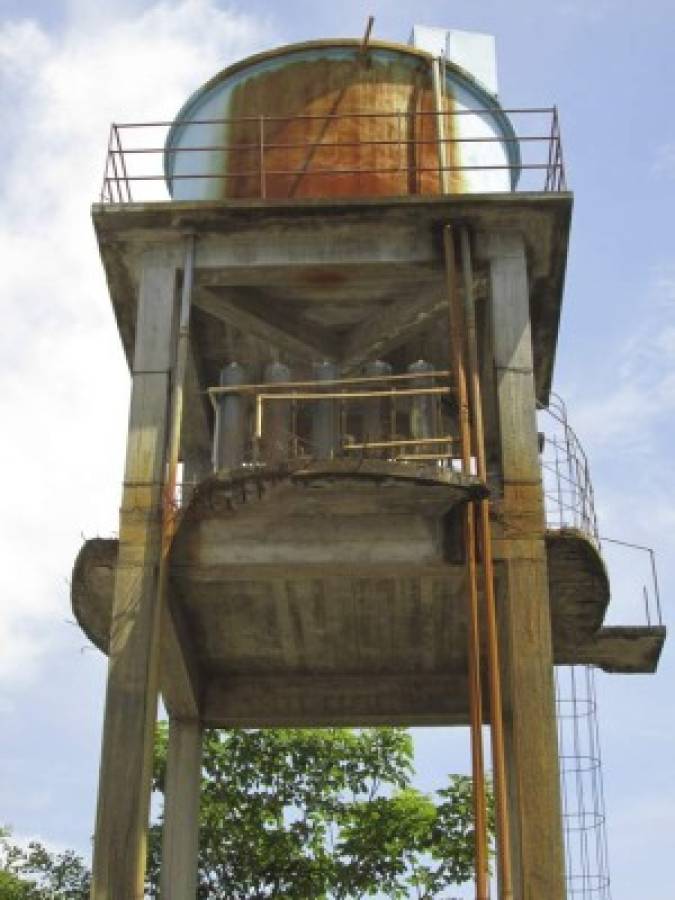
113, 161
105, 187
548, 185
123, 165
562, 181
657, 596
263, 191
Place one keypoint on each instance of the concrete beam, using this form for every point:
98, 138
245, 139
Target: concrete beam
387, 329
285, 701
282, 331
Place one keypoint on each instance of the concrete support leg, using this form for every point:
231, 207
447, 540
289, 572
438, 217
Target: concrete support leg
180, 842
131, 700
525, 624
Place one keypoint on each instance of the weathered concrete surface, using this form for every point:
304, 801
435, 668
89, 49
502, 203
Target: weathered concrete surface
580, 588
342, 279
338, 597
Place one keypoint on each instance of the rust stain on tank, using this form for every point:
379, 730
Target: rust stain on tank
320, 143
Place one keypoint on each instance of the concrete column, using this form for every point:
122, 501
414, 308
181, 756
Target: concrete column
523, 603
180, 839
131, 699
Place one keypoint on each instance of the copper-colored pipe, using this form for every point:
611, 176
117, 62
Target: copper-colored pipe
176, 402
330, 382
437, 75
494, 675
456, 323
338, 395
404, 442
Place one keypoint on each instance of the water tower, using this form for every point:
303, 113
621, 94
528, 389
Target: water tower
339, 325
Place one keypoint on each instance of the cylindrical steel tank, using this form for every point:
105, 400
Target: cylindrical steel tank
325, 440
422, 407
376, 409
230, 432
325, 119
277, 430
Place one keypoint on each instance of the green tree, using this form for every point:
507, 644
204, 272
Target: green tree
294, 814
297, 813
36, 873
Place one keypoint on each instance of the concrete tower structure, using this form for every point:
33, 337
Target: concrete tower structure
338, 327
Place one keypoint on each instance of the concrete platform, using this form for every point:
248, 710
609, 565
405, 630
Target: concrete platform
334, 593
347, 280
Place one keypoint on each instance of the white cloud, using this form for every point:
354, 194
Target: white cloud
664, 160
624, 420
625, 416
581, 10
64, 392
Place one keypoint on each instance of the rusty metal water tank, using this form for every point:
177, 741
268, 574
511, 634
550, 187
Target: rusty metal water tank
330, 119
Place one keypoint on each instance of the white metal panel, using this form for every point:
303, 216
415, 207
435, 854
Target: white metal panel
433, 40
477, 54
474, 52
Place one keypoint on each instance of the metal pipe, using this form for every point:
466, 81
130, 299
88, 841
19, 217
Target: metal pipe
426, 456
494, 675
436, 76
366, 35
261, 136
178, 380
456, 331
404, 442
364, 379
335, 395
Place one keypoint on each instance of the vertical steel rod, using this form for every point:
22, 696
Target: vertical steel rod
123, 164
177, 388
437, 72
494, 675
263, 190
456, 329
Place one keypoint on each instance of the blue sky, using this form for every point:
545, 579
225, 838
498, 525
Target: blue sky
66, 70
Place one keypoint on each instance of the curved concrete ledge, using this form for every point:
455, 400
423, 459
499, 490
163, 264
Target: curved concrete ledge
92, 587
578, 586
373, 638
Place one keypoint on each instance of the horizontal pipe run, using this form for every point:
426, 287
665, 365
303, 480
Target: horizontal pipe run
353, 395
426, 456
338, 395
330, 382
405, 442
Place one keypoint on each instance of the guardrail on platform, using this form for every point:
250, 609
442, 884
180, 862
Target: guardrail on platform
257, 164
570, 503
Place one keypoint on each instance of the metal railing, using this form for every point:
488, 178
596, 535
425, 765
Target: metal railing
568, 490
570, 503
249, 159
